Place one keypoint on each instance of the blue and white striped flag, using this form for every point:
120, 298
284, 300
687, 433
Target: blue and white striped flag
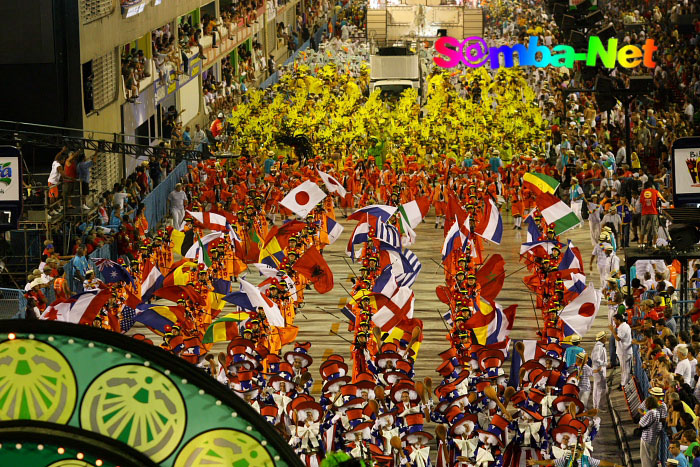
409, 275
388, 234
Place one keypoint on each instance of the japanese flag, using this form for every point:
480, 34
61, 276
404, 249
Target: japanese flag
332, 184
302, 199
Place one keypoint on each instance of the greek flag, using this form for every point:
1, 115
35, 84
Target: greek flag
388, 234
409, 276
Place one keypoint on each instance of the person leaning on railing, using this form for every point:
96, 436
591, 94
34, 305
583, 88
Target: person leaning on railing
651, 426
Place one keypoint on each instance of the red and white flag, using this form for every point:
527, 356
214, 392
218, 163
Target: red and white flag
395, 309
79, 309
332, 184
302, 199
579, 314
208, 220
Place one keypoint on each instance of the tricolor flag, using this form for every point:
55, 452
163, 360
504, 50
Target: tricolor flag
454, 239
413, 212
385, 284
159, 318
224, 328
332, 184
152, 280
182, 241
491, 225
251, 298
533, 232
540, 183
557, 212
395, 310
208, 220
492, 328
303, 199
380, 211
409, 274
579, 314
333, 229
572, 260
359, 236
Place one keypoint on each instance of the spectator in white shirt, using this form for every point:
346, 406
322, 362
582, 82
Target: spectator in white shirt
623, 336
683, 367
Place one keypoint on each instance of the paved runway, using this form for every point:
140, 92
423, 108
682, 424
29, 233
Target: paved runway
315, 325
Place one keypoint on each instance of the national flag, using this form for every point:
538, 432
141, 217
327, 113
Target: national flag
574, 287
359, 236
82, 308
491, 276
491, 225
221, 288
572, 260
152, 279
492, 328
385, 283
333, 185
182, 241
272, 254
533, 232
408, 235
312, 266
159, 318
409, 274
395, 310
541, 249
381, 211
179, 273
531, 351
127, 321
333, 229
232, 235
454, 212
194, 252
251, 298
112, 272
413, 212
207, 220
302, 199
540, 183
454, 239
177, 292
224, 328
557, 212
388, 234
579, 314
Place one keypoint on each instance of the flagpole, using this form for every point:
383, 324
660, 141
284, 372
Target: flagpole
534, 310
443, 319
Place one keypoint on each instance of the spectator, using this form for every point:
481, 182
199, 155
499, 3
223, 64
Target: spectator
623, 338
60, 285
683, 367
31, 310
674, 450
57, 173
598, 365
650, 199
84, 168
176, 201
80, 264
651, 430
186, 137
91, 282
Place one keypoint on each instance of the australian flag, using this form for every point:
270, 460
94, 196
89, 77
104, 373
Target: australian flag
112, 272
127, 321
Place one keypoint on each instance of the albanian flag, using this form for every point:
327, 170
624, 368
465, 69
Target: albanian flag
312, 266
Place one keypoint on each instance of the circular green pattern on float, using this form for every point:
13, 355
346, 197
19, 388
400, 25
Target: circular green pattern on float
71, 463
137, 405
36, 382
223, 447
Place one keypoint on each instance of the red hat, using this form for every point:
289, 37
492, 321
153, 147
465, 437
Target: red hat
561, 404
304, 358
349, 390
404, 366
394, 377
384, 357
446, 368
448, 354
570, 390
334, 367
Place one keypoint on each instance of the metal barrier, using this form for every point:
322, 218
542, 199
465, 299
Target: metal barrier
12, 303
157, 200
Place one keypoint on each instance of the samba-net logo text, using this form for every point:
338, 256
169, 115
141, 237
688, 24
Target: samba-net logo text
474, 52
